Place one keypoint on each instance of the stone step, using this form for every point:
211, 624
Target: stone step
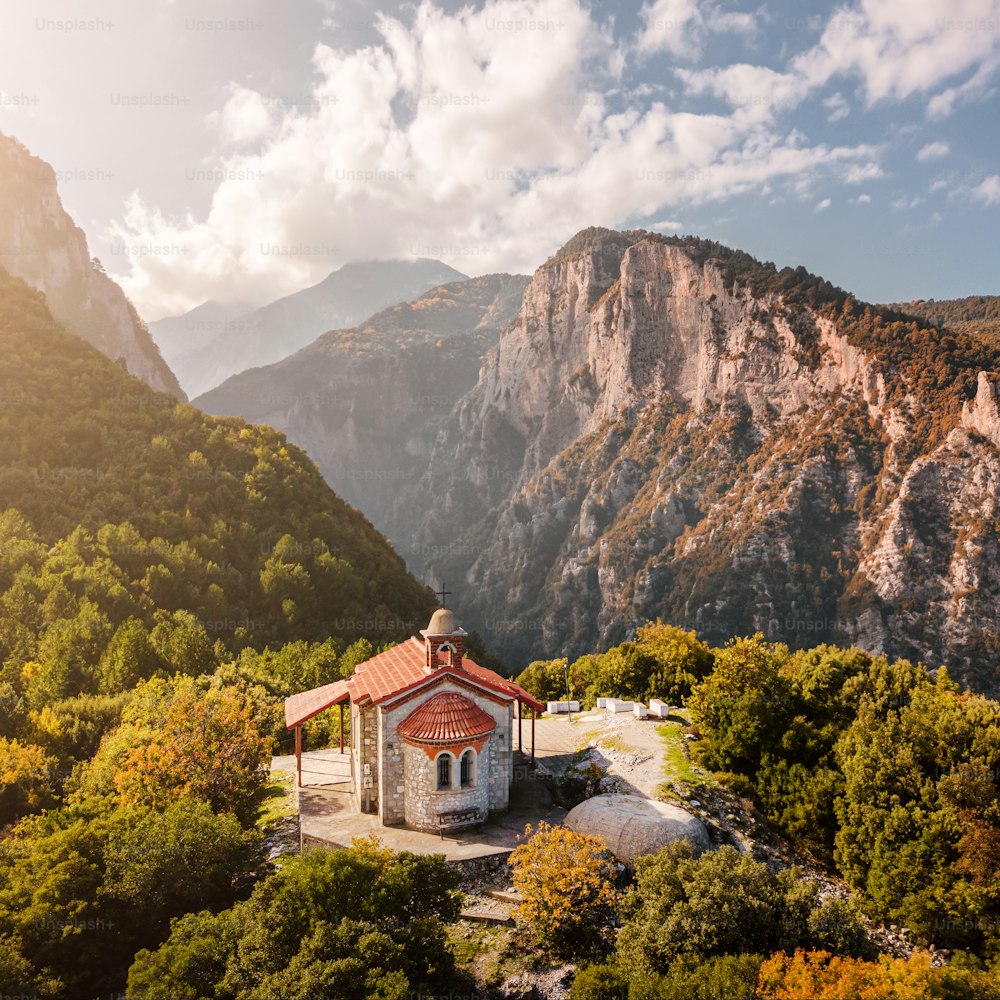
505, 896
487, 917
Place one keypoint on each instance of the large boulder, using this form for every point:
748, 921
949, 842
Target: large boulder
633, 826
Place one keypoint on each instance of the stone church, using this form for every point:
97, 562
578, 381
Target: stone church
432, 732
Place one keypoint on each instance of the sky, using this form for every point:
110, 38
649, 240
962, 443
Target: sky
239, 150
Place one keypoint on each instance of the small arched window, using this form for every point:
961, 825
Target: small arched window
467, 768
444, 771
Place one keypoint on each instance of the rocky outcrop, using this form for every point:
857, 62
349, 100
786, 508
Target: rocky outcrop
41, 244
670, 429
982, 415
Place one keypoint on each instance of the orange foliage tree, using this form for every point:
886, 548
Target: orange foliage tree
207, 747
818, 975
566, 881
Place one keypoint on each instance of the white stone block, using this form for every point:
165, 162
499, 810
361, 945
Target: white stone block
659, 708
615, 706
603, 702
639, 710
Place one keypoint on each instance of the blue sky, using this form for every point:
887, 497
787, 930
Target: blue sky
242, 150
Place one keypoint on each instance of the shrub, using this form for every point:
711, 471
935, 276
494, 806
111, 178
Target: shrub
566, 880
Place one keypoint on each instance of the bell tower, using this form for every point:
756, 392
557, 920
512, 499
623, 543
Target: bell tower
444, 639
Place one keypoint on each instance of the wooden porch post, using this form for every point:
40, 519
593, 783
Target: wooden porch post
298, 753
341, 727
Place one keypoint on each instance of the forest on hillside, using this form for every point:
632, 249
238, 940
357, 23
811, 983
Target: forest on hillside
974, 316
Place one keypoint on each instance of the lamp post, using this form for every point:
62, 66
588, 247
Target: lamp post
569, 701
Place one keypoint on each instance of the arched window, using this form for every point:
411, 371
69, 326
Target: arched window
467, 768
444, 771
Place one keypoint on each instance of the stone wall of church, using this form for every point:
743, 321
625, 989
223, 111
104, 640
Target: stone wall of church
367, 759
425, 803
392, 780
501, 760
394, 776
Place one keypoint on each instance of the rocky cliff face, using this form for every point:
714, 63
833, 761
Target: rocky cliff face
669, 428
41, 244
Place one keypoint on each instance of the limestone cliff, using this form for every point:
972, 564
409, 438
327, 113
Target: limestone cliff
41, 244
670, 428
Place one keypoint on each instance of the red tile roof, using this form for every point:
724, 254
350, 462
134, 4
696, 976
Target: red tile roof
392, 673
447, 718
305, 705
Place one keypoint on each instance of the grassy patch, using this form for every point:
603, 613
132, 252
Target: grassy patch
276, 804
613, 743
679, 772
482, 952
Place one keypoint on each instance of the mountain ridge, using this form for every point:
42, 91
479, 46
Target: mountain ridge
690, 381
190, 513
365, 402
206, 357
41, 244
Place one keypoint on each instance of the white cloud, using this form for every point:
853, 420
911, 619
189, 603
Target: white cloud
858, 173
244, 117
822, 206
933, 151
681, 26
755, 92
837, 106
988, 192
863, 199
900, 49
481, 137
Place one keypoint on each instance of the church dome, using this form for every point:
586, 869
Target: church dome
443, 623
633, 826
448, 717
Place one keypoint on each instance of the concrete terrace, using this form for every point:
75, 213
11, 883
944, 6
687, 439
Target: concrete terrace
327, 813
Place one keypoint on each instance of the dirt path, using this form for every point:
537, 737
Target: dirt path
632, 752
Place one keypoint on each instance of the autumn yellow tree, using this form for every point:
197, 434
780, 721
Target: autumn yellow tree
566, 882
818, 975
208, 747
24, 778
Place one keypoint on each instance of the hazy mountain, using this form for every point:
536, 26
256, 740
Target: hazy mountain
191, 331
367, 402
41, 244
220, 342
975, 315
671, 428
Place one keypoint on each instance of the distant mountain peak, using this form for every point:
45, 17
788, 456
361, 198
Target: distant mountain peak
206, 354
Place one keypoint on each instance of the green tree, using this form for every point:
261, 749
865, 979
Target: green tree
128, 658
354, 923
721, 903
743, 706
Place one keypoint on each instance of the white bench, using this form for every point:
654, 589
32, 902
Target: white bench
559, 707
614, 706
